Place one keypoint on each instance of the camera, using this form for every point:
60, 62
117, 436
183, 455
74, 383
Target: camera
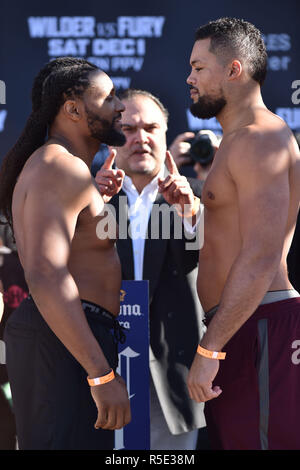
203, 147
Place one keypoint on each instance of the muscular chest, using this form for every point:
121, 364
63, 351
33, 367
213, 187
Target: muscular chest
219, 189
96, 223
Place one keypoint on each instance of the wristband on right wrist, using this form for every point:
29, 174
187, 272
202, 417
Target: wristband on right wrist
210, 354
101, 380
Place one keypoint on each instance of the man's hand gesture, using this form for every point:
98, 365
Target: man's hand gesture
109, 180
175, 188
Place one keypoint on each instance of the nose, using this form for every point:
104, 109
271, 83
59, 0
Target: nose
120, 105
141, 136
190, 80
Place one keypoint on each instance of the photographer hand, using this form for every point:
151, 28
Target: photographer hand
179, 149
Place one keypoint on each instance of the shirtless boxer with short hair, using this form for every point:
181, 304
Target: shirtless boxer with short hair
63, 332
251, 198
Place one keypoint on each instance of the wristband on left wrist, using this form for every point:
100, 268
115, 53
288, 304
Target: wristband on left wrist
210, 354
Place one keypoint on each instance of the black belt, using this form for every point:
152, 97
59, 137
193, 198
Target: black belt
107, 318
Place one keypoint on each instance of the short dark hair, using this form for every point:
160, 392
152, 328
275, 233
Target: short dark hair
230, 36
131, 93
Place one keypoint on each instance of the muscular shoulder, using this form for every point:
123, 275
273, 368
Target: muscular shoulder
56, 162
60, 168
58, 176
259, 149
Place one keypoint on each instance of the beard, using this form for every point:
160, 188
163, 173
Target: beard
103, 130
207, 107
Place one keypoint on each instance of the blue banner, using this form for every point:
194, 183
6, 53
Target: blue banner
139, 45
134, 365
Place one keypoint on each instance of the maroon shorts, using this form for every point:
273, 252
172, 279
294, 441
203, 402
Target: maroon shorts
259, 407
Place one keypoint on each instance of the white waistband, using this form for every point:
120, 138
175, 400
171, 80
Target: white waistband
277, 295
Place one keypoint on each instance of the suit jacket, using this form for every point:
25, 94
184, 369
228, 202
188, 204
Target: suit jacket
175, 316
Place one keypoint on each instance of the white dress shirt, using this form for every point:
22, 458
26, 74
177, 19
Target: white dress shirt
140, 206
139, 210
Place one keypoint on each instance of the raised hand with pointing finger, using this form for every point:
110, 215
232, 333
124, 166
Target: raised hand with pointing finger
177, 191
109, 180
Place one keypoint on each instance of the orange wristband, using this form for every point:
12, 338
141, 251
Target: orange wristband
101, 380
210, 354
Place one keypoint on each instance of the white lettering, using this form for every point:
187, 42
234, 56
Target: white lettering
128, 354
277, 42
38, 26
122, 82
117, 460
290, 115
141, 46
2, 352
276, 63
296, 94
113, 46
125, 63
66, 26
107, 30
130, 310
102, 62
69, 47
125, 324
296, 354
3, 115
140, 26
136, 310
107, 227
2, 92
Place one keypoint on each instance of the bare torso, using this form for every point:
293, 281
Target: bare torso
222, 238
93, 263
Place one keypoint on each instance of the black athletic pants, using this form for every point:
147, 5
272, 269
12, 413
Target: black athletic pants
51, 396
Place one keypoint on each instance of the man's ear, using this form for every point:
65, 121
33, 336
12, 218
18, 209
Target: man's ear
72, 110
235, 70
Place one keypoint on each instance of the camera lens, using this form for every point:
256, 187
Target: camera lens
202, 150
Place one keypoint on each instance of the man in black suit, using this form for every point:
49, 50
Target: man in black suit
167, 262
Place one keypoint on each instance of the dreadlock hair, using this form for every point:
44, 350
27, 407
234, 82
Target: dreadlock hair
233, 36
57, 81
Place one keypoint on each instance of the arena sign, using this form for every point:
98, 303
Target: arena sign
2, 92
134, 365
139, 46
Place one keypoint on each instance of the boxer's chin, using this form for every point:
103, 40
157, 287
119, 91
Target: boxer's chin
206, 107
